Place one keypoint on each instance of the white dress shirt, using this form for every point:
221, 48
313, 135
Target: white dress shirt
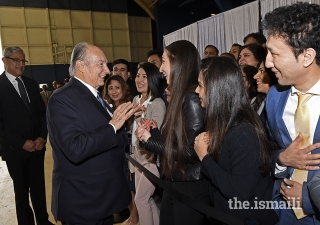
12, 79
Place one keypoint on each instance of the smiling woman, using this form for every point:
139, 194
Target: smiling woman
148, 82
234, 151
116, 91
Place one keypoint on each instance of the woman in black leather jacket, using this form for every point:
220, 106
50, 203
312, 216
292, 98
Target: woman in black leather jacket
184, 121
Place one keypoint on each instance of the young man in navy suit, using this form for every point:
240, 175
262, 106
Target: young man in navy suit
23, 134
294, 56
88, 144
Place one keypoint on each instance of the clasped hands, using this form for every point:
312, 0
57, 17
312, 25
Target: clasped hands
124, 112
201, 144
35, 145
143, 130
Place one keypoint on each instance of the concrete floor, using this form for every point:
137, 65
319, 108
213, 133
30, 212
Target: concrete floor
7, 204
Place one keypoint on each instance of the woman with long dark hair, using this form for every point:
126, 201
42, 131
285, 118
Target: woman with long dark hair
148, 83
265, 78
234, 151
183, 122
248, 73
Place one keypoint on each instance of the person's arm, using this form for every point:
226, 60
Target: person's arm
154, 145
241, 147
194, 119
42, 139
314, 193
292, 156
9, 138
151, 141
158, 110
307, 202
68, 126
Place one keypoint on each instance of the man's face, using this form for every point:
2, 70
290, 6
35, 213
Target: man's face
154, 59
14, 68
210, 52
122, 70
96, 67
54, 84
235, 50
251, 40
44, 87
283, 63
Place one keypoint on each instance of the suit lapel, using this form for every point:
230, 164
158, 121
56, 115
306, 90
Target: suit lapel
316, 137
282, 129
11, 89
87, 95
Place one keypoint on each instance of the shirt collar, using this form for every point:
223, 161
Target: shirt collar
315, 90
11, 77
146, 102
92, 89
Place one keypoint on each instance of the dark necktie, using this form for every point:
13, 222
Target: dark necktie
103, 103
23, 92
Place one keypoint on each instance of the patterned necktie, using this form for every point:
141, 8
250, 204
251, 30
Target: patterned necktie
103, 103
302, 125
23, 92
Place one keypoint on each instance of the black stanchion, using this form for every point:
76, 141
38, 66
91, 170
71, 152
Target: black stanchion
192, 203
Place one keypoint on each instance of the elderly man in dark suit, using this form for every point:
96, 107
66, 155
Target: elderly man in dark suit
88, 142
23, 133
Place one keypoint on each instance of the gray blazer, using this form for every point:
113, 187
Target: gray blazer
155, 111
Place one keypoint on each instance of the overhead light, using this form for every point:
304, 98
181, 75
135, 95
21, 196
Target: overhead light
212, 14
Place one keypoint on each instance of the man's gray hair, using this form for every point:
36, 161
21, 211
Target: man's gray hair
7, 52
78, 53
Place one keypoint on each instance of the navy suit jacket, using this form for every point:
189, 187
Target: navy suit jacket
275, 105
17, 123
88, 182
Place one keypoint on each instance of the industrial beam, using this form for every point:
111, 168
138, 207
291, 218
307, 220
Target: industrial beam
148, 8
224, 5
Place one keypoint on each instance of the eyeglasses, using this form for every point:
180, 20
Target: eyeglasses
17, 61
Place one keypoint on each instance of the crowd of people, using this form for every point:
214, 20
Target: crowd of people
238, 131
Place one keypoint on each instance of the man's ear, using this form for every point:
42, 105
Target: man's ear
129, 75
80, 66
309, 56
4, 60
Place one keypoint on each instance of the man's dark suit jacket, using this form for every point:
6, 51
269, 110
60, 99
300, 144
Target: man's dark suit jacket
17, 124
88, 182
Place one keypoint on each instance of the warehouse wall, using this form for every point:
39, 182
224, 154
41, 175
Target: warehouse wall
48, 30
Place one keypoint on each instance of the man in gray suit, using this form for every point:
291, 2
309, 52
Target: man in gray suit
45, 94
